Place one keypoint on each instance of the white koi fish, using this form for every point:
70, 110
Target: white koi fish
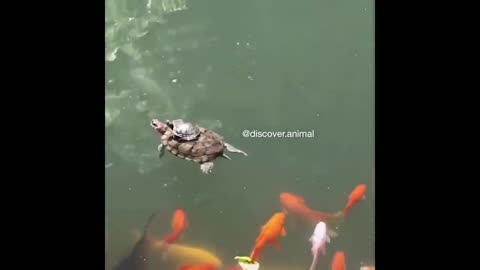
319, 241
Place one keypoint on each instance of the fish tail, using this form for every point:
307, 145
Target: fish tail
173, 236
346, 210
256, 253
322, 216
314, 262
349, 206
170, 239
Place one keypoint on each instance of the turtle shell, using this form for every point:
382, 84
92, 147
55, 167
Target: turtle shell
208, 146
185, 131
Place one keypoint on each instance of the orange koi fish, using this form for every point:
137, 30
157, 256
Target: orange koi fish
356, 196
269, 234
296, 205
179, 225
338, 262
205, 266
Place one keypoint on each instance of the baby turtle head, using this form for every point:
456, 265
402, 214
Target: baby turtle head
159, 126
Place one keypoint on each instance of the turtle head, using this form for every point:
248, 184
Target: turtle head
159, 126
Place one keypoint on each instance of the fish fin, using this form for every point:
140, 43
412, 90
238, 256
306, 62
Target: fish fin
277, 245
324, 251
364, 197
331, 233
284, 232
338, 214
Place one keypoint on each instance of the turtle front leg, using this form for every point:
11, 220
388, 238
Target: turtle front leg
161, 150
206, 167
232, 149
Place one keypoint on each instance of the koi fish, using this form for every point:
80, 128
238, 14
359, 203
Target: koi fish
179, 255
338, 261
269, 234
356, 196
319, 241
139, 257
295, 205
205, 266
179, 225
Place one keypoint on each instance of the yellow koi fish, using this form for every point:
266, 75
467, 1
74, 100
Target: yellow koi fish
182, 255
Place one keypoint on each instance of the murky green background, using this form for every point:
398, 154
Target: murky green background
270, 65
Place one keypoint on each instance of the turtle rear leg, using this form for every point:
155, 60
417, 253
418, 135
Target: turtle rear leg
161, 150
232, 149
206, 167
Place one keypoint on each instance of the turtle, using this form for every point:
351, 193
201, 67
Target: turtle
192, 142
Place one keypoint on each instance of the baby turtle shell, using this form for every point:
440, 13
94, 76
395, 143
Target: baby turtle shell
184, 131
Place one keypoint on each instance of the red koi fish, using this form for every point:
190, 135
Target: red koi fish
205, 266
338, 262
356, 196
179, 225
270, 234
296, 205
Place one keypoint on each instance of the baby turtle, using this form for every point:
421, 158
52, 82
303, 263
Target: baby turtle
183, 131
192, 142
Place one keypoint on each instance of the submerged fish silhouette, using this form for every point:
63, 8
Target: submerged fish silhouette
139, 257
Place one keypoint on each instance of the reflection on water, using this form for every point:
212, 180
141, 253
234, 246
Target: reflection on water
147, 75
